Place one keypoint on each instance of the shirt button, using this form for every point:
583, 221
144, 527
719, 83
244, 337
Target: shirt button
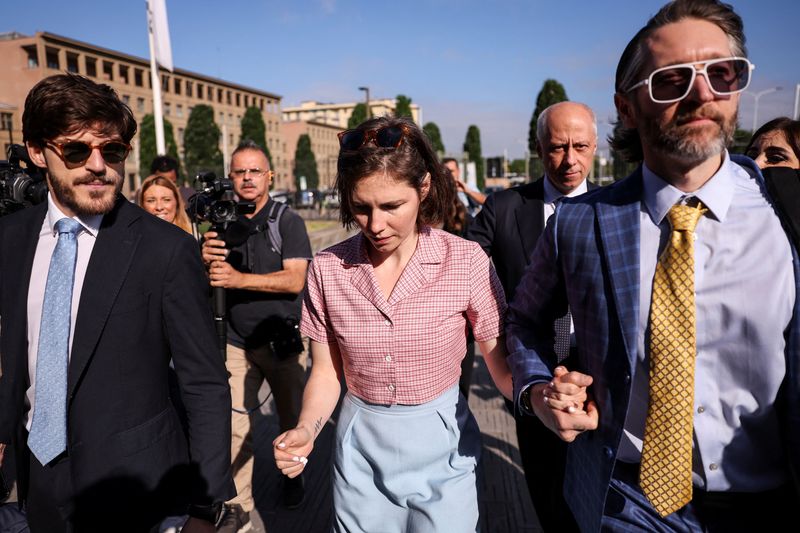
701, 409
390, 387
388, 358
387, 322
713, 466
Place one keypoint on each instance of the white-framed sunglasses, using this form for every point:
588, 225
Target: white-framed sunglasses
724, 76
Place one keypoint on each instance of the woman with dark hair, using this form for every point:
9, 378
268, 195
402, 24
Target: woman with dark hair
387, 310
776, 144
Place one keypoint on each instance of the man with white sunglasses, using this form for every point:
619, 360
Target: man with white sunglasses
683, 290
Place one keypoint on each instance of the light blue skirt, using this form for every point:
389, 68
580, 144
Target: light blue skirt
406, 468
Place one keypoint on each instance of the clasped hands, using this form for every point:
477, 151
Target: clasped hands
563, 405
221, 273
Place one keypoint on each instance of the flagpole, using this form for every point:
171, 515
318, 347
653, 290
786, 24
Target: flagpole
158, 116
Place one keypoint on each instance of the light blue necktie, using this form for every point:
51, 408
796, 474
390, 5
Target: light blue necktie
48, 436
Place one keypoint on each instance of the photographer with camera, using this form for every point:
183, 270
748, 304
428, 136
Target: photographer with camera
264, 278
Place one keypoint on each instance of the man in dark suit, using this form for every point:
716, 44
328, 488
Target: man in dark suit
96, 297
683, 288
508, 229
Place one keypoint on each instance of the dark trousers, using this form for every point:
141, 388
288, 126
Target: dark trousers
627, 509
543, 459
50, 496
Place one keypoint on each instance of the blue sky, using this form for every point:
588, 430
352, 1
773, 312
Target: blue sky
465, 62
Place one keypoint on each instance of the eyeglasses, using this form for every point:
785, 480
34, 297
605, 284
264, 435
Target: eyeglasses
383, 137
78, 152
725, 76
255, 172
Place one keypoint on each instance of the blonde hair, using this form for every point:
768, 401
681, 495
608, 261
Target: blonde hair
181, 218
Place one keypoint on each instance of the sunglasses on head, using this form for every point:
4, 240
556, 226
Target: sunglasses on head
725, 76
78, 152
383, 137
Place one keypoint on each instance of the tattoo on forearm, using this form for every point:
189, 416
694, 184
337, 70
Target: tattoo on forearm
317, 426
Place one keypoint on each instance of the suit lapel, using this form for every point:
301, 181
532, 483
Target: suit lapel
108, 267
618, 220
530, 218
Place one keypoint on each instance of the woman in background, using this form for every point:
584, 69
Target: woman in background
776, 144
159, 196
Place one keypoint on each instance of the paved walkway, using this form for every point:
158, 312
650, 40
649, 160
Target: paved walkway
505, 505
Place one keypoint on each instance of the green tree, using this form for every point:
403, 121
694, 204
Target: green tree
201, 142
402, 106
253, 128
741, 138
434, 136
147, 143
359, 115
305, 164
517, 166
551, 93
472, 145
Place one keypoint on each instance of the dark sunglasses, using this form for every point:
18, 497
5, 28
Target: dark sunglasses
383, 137
725, 76
77, 152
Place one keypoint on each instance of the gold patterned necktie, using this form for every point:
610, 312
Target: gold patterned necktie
666, 470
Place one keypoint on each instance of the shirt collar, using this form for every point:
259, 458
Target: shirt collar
716, 194
551, 194
90, 223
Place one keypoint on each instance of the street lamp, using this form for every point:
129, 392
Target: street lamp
757, 96
366, 90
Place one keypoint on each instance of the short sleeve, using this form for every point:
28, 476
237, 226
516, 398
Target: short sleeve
314, 322
295, 244
487, 302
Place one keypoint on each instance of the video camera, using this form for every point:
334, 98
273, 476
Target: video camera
214, 202
20, 186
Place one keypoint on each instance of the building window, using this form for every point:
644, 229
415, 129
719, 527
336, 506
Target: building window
228, 97
72, 62
238, 100
137, 77
5, 121
126, 99
219, 95
269, 125
200, 90
33, 56
210, 93
231, 139
123, 74
165, 84
247, 100
177, 86
261, 104
189, 89
51, 58
108, 71
167, 108
91, 67
178, 110
180, 136
140, 105
221, 117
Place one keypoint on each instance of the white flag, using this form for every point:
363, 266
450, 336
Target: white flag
160, 28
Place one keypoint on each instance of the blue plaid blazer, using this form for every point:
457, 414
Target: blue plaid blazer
588, 258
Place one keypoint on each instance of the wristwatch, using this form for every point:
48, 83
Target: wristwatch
525, 401
210, 513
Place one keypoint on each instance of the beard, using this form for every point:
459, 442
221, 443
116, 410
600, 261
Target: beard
678, 140
88, 203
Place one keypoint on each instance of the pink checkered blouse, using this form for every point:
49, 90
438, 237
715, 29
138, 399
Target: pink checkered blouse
406, 350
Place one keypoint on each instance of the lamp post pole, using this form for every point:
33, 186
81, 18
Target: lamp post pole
757, 96
366, 90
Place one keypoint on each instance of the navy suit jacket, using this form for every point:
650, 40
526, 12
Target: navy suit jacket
144, 301
589, 258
